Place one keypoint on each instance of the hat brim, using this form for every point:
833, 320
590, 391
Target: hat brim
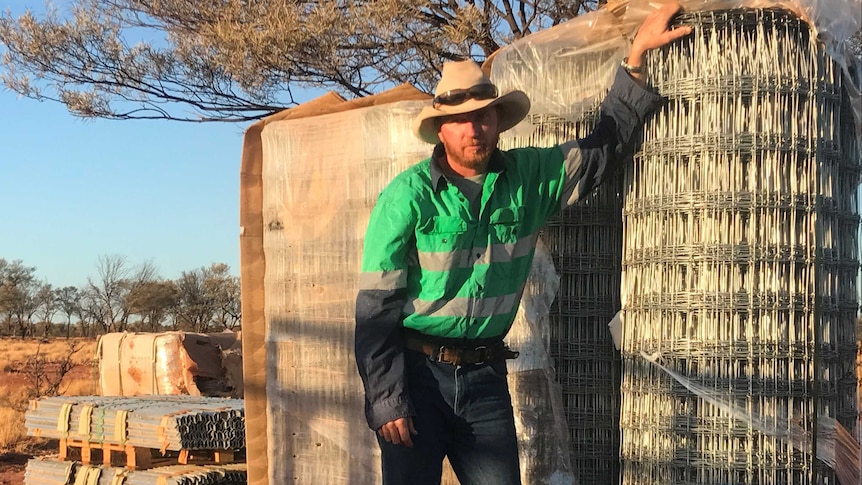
514, 106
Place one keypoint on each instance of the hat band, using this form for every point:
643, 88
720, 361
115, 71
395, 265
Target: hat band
458, 96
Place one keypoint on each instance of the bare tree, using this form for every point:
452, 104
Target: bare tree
195, 310
46, 376
235, 60
108, 290
46, 306
90, 312
143, 274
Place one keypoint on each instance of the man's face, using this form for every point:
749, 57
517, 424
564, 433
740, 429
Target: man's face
470, 138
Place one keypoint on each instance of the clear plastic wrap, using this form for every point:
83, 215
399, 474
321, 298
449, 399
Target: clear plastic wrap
540, 419
321, 177
603, 38
137, 364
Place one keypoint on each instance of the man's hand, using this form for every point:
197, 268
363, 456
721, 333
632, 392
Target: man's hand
398, 432
655, 32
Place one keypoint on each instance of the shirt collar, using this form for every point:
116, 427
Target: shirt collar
438, 177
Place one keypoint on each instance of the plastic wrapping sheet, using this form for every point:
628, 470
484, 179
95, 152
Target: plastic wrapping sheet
541, 65
136, 364
321, 178
603, 37
543, 442
585, 243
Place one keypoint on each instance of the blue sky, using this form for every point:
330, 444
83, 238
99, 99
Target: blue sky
72, 189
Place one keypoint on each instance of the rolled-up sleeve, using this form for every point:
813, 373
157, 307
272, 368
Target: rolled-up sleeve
382, 293
590, 161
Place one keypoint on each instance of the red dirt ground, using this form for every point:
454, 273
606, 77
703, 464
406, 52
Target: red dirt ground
12, 468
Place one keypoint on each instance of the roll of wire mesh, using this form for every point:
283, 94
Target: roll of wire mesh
740, 257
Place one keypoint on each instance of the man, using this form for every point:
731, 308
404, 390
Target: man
448, 250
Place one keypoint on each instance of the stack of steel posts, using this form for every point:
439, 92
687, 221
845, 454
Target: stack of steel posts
53, 472
161, 422
153, 423
740, 259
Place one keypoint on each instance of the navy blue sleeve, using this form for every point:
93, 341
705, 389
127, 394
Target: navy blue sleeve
594, 158
380, 355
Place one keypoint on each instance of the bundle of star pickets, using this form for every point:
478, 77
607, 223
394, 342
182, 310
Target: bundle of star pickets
738, 246
177, 422
54, 472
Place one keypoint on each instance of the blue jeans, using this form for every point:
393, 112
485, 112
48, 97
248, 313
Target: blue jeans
463, 413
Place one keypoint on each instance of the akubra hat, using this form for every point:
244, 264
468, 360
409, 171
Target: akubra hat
463, 88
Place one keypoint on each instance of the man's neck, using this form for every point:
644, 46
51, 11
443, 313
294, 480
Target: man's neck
461, 171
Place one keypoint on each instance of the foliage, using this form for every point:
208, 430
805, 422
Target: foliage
18, 302
153, 301
205, 295
234, 60
200, 300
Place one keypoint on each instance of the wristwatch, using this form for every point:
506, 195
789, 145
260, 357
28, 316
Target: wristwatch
630, 68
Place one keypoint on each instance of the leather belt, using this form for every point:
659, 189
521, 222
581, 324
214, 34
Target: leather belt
460, 355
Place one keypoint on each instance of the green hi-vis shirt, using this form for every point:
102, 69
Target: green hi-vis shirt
433, 265
463, 273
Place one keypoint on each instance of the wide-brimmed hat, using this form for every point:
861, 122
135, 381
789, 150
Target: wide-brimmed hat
463, 88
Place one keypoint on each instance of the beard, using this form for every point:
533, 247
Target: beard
474, 156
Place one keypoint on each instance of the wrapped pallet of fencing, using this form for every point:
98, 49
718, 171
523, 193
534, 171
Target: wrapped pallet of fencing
741, 254
310, 176
784, 85
310, 184
138, 364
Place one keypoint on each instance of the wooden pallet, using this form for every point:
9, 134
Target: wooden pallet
137, 458
94, 453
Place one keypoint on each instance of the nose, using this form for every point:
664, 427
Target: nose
476, 123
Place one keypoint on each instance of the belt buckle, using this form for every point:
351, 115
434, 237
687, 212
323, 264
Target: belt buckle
441, 354
483, 351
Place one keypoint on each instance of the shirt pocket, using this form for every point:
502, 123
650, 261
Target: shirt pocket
506, 224
441, 233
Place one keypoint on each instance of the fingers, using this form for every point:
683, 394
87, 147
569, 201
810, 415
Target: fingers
398, 432
677, 33
655, 30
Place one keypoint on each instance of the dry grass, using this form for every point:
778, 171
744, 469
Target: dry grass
17, 350
12, 430
15, 390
